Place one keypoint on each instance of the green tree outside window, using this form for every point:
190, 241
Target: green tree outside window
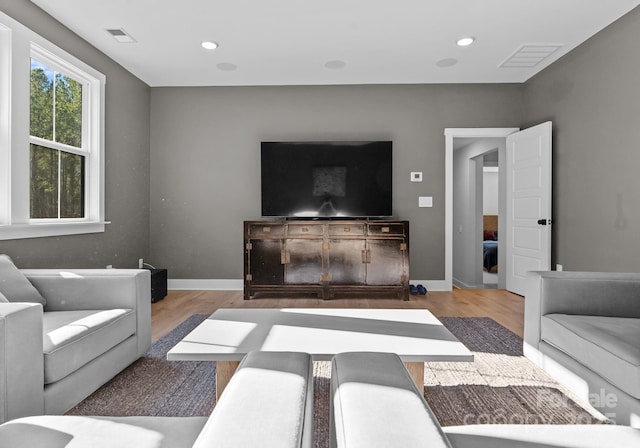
57, 185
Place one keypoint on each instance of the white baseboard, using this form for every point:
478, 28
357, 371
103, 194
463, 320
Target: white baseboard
238, 285
462, 285
433, 285
206, 284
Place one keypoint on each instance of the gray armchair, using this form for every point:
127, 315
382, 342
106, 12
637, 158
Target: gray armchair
94, 324
583, 328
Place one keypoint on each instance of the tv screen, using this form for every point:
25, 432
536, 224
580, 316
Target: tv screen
326, 179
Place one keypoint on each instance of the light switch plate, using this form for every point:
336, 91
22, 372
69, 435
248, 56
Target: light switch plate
425, 201
416, 176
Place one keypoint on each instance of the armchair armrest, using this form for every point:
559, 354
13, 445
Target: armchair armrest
98, 289
21, 360
578, 293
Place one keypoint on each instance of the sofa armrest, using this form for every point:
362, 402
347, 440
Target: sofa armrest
98, 289
376, 403
578, 293
268, 403
21, 360
588, 293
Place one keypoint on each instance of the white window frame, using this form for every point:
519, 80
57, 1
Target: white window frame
18, 45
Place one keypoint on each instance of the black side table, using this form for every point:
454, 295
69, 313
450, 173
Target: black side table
158, 284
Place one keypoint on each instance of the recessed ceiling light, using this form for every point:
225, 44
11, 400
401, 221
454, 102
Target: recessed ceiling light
226, 66
209, 45
448, 62
335, 65
465, 41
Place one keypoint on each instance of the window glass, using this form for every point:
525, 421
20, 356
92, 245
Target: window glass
41, 124
56, 106
72, 180
57, 176
68, 111
44, 182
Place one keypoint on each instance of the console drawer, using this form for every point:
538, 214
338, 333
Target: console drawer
346, 229
266, 229
386, 229
306, 229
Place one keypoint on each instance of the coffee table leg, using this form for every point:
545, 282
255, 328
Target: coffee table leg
224, 372
416, 370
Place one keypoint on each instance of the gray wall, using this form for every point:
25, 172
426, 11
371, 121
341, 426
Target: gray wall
592, 96
127, 162
205, 159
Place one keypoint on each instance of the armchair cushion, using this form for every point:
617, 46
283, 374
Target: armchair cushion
606, 345
73, 338
14, 285
54, 431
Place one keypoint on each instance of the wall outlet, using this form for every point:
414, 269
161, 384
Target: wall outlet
140, 263
109, 266
558, 267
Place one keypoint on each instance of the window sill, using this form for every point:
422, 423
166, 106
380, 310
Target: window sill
20, 231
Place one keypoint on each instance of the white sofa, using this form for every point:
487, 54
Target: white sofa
583, 328
93, 323
267, 404
376, 404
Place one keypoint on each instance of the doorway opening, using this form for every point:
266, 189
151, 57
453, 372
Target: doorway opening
464, 217
478, 203
524, 213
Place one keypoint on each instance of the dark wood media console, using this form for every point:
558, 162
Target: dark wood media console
326, 258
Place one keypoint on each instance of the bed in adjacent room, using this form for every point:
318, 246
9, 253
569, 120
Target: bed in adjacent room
490, 243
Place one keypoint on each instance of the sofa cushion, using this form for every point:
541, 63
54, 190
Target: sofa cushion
267, 403
542, 436
73, 338
15, 286
101, 432
607, 345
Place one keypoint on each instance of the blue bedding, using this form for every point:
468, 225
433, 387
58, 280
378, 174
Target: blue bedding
489, 254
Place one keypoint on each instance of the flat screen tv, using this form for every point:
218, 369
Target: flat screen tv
326, 179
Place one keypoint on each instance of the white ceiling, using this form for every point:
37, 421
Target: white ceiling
289, 42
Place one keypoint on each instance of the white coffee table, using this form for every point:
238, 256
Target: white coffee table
229, 334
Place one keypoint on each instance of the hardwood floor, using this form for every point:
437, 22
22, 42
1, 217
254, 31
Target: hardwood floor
502, 306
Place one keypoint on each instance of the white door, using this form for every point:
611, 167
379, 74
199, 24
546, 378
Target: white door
528, 172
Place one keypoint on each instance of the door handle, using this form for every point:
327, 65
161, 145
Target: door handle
544, 222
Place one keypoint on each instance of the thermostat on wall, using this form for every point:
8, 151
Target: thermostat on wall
416, 176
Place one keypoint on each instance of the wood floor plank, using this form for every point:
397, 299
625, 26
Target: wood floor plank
502, 306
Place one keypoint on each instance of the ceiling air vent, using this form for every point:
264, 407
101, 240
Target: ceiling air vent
121, 35
529, 55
